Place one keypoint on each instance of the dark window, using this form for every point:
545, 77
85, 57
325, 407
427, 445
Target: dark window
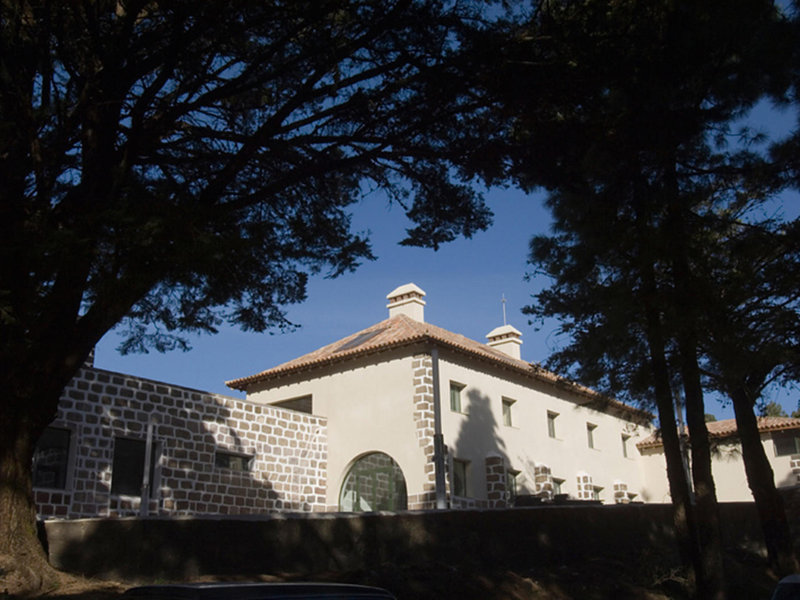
455, 396
51, 459
235, 462
511, 485
590, 427
301, 404
460, 482
128, 467
786, 443
374, 482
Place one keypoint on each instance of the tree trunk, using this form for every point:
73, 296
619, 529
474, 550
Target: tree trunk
33, 384
683, 511
761, 480
652, 302
687, 303
24, 563
709, 533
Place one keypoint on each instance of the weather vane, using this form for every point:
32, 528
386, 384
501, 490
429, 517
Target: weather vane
503, 301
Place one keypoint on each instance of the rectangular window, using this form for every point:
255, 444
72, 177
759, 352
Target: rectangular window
551, 423
302, 404
786, 443
455, 396
625, 439
234, 462
558, 486
127, 471
511, 485
51, 459
507, 404
460, 482
590, 427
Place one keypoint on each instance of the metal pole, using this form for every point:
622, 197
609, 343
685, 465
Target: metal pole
144, 505
438, 438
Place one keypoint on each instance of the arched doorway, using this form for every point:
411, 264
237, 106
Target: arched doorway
374, 482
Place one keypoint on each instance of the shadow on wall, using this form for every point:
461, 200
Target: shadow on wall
790, 480
478, 461
210, 455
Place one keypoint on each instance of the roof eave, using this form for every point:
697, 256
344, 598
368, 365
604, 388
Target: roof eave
528, 370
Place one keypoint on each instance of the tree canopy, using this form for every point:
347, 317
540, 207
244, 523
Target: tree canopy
175, 165
666, 268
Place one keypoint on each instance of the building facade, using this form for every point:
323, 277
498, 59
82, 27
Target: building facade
780, 437
401, 415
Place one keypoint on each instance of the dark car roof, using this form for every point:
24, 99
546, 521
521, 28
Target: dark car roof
788, 588
257, 591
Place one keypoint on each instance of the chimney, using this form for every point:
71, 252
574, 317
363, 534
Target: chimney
506, 339
407, 300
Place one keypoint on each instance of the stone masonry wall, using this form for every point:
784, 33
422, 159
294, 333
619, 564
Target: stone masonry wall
424, 419
543, 480
496, 486
585, 487
285, 452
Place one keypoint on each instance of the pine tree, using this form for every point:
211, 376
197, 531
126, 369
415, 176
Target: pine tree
176, 165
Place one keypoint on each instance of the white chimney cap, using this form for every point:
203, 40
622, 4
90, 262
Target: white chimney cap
407, 300
506, 338
409, 288
504, 331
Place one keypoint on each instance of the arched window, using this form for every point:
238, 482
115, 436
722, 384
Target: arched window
374, 482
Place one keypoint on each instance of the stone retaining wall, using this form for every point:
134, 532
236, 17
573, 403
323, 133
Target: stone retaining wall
637, 535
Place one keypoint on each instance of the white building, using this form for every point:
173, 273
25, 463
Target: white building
507, 427
400, 415
780, 437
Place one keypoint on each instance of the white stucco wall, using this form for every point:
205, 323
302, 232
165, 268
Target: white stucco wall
480, 431
655, 474
369, 407
730, 478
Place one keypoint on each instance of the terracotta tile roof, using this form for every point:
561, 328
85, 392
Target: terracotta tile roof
727, 428
401, 330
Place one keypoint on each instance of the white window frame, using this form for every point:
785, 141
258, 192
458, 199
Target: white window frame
551, 424
508, 404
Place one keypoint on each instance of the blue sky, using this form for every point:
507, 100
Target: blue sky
464, 282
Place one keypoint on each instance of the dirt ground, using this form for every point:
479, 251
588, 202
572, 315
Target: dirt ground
748, 580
